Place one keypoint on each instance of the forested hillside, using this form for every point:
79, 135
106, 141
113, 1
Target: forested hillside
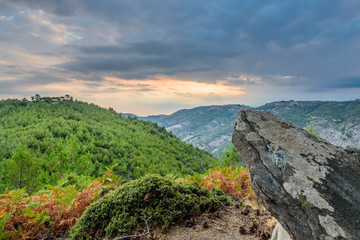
42, 142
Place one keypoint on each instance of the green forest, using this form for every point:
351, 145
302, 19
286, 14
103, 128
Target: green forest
44, 140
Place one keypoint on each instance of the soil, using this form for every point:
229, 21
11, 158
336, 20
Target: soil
228, 223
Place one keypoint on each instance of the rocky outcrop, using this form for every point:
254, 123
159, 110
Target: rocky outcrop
311, 186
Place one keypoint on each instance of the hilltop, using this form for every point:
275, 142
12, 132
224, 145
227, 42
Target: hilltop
44, 141
210, 127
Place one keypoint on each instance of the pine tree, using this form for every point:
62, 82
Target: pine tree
231, 158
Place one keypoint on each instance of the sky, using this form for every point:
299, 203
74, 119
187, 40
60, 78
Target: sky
158, 56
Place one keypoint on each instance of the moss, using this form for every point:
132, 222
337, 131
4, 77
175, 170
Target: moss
288, 171
324, 231
326, 198
158, 200
302, 200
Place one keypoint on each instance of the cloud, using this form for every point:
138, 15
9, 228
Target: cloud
306, 47
58, 7
144, 59
350, 82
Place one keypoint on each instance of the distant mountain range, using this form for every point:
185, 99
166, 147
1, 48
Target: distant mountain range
210, 127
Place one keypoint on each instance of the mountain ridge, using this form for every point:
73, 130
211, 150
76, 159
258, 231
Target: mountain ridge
210, 127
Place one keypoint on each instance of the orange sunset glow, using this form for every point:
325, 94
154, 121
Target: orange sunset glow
142, 93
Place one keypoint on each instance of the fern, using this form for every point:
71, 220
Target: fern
5, 235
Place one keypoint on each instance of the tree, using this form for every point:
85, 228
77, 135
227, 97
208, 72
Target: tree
36, 97
80, 138
231, 158
21, 170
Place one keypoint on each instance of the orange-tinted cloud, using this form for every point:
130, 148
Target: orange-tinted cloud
137, 96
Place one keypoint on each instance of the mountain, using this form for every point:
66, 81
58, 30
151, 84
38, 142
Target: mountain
42, 142
210, 127
207, 127
337, 122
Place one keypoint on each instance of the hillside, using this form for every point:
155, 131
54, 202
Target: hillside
205, 127
210, 127
337, 122
42, 142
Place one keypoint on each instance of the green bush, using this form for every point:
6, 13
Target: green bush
158, 200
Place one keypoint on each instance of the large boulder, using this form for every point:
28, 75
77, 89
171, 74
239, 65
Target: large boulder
311, 186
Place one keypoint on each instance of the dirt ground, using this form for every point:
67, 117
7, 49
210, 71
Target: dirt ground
228, 223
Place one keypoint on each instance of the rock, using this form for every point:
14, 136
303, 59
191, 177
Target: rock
311, 186
279, 233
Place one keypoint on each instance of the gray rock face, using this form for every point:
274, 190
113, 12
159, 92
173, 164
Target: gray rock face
311, 186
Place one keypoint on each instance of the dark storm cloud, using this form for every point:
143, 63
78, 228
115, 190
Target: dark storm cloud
350, 82
158, 48
306, 44
151, 57
226, 21
305, 34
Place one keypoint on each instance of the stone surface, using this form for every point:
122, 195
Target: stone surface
279, 233
311, 186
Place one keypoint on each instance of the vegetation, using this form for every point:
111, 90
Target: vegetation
311, 130
50, 212
151, 200
42, 142
193, 125
232, 181
231, 158
302, 113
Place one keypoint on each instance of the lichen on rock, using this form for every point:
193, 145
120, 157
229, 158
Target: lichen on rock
311, 186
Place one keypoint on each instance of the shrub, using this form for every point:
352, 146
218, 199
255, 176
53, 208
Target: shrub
157, 200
